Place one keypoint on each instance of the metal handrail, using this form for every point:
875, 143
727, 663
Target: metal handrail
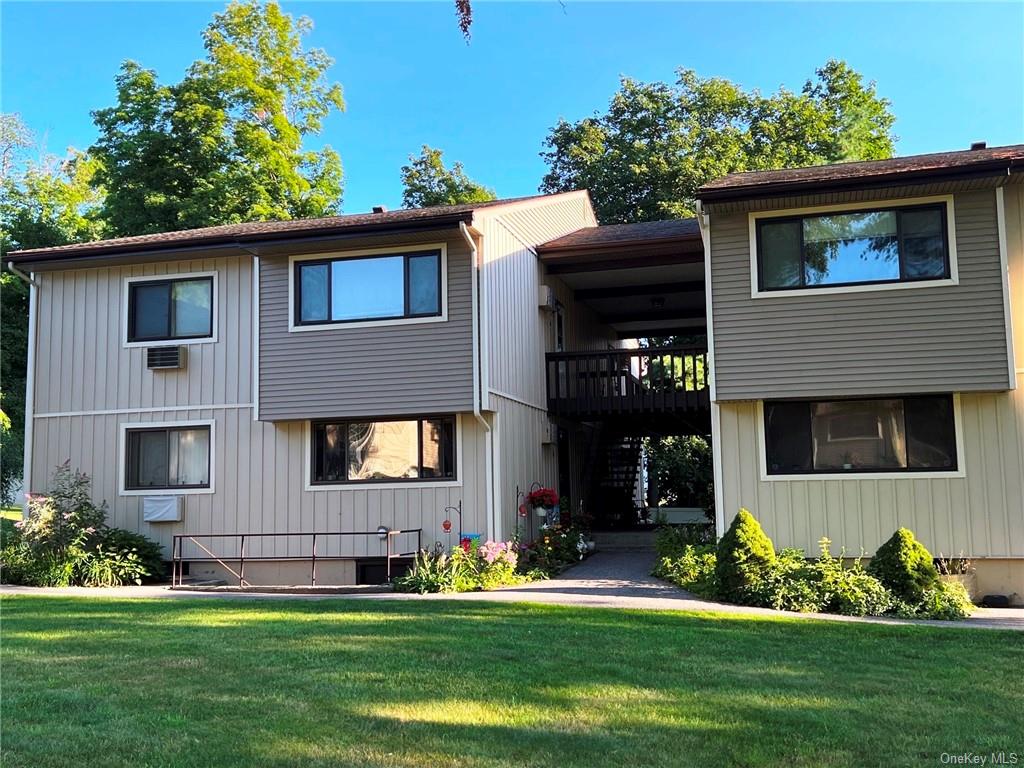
178, 559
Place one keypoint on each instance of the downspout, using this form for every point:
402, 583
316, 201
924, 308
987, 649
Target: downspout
30, 375
704, 223
477, 394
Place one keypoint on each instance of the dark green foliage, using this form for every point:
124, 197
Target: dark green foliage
426, 182
744, 555
904, 566
682, 471
225, 144
645, 158
692, 567
671, 540
150, 554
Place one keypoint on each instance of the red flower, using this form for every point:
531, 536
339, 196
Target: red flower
466, 544
543, 497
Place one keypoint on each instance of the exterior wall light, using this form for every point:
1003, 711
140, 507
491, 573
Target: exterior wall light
382, 532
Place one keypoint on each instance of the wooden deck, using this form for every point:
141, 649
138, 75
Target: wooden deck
625, 382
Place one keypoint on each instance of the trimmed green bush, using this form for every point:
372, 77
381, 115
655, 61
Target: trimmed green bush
149, 554
945, 601
904, 566
744, 556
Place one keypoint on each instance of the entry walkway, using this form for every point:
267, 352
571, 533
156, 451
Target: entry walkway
604, 580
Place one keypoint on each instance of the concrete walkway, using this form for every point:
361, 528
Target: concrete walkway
606, 580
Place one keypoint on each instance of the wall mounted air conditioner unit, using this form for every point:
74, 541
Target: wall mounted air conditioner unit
166, 358
546, 298
163, 509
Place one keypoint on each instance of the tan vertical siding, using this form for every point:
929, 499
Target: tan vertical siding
260, 484
920, 339
83, 365
367, 371
980, 514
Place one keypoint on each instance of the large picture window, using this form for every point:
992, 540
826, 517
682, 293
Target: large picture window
893, 434
167, 458
170, 309
383, 451
385, 287
872, 246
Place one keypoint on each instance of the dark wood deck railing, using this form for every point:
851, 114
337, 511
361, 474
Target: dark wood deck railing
627, 381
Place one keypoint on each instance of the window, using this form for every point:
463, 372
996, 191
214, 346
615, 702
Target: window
167, 458
383, 451
170, 309
874, 246
893, 434
384, 287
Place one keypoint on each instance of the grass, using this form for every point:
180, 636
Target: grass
404, 683
10, 513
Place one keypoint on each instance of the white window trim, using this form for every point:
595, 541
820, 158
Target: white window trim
125, 298
958, 436
397, 251
369, 485
754, 217
122, 483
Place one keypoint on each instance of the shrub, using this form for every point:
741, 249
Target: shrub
672, 540
789, 583
554, 550
64, 541
693, 568
148, 553
905, 567
945, 600
743, 556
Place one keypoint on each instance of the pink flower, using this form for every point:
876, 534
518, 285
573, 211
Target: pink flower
90, 529
67, 515
19, 524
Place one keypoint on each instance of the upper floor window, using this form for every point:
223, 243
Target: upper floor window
884, 245
170, 309
891, 434
385, 287
383, 451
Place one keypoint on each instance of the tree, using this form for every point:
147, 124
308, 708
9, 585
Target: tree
43, 202
225, 144
426, 181
646, 157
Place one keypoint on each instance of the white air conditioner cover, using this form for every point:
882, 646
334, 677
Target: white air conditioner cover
162, 509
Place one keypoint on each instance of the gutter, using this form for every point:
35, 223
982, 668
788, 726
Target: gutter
25, 277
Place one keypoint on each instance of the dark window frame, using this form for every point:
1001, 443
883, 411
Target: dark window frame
134, 338
128, 465
406, 314
957, 438
941, 207
420, 421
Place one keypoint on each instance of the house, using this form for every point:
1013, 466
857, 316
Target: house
288, 401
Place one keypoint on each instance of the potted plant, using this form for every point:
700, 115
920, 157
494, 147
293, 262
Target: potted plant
543, 501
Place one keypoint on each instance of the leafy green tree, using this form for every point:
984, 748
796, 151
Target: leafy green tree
426, 181
225, 144
44, 201
645, 158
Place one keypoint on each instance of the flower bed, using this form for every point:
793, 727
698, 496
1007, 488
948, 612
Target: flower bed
744, 568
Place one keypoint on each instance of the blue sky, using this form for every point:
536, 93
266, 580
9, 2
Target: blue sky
954, 72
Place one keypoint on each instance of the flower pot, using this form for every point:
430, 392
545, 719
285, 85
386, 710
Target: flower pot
591, 546
541, 511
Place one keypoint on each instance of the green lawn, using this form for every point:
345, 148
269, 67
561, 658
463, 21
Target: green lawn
10, 513
347, 683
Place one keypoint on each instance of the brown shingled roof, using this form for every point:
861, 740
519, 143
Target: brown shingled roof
259, 231
898, 169
619, 234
